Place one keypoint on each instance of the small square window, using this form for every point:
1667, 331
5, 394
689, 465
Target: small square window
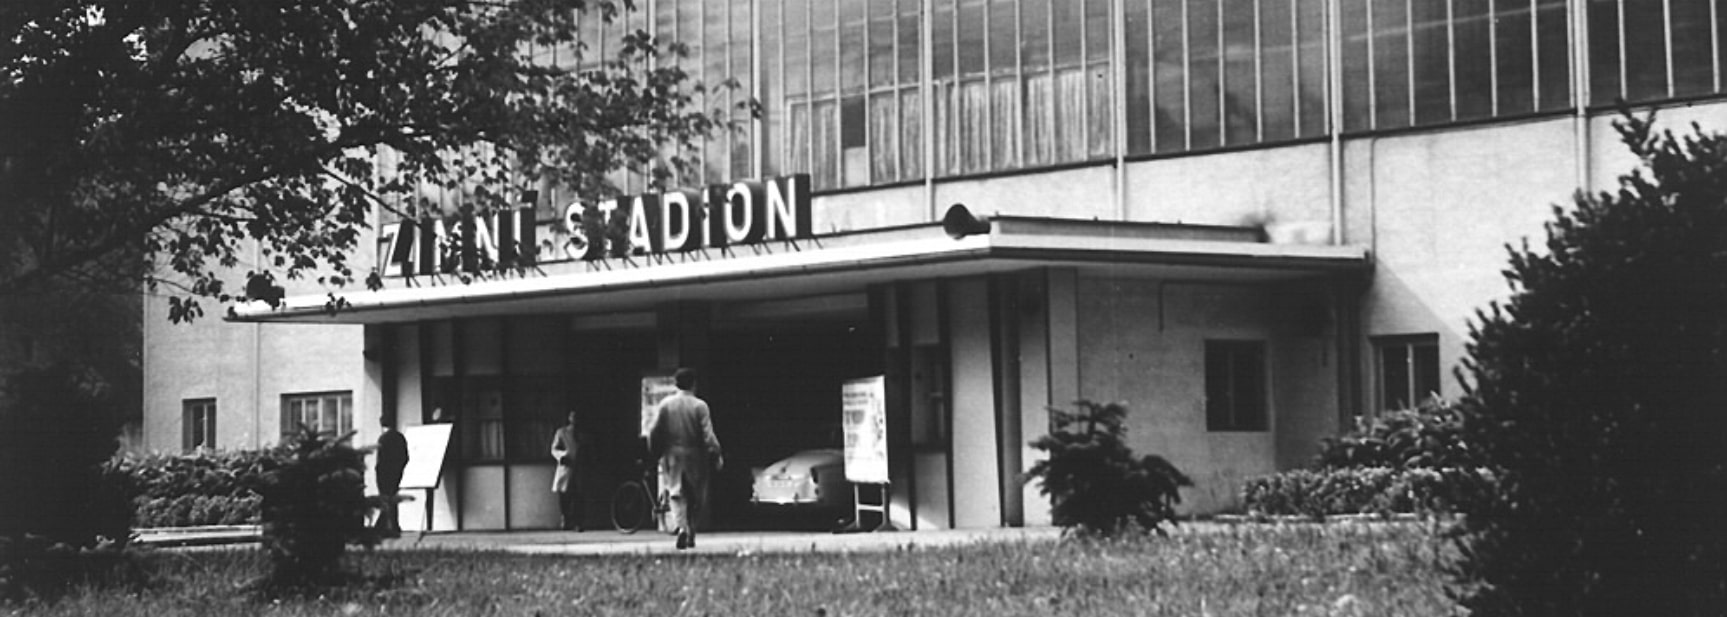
1235, 386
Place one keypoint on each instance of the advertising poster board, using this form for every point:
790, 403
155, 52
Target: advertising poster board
426, 447
655, 388
865, 422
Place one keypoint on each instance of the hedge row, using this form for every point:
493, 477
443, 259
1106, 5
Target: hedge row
1365, 490
195, 510
199, 488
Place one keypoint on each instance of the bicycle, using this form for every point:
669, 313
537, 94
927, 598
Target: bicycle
635, 503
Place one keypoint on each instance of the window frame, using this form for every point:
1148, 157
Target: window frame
289, 420
1255, 418
197, 416
1409, 343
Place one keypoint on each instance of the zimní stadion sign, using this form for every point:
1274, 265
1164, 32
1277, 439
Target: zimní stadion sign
716, 216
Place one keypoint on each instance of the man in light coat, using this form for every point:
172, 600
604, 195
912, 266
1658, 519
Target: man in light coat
567, 446
683, 438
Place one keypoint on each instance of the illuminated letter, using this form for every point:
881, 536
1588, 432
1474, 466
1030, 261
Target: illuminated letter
430, 242
788, 207
714, 216
675, 220
479, 245
744, 221
399, 252
645, 224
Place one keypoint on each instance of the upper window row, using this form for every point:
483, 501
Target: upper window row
866, 92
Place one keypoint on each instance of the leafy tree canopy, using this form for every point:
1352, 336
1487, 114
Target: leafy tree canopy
151, 140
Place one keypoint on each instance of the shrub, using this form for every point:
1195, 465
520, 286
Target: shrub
1597, 394
1426, 437
1095, 485
196, 510
313, 506
34, 567
1365, 490
198, 488
57, 427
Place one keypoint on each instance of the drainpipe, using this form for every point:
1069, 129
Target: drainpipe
257, 365
1580, 92
1334, 105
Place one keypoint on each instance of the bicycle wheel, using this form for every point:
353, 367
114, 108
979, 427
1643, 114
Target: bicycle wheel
631, 507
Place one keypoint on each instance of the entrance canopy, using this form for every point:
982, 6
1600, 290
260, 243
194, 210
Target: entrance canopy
835, 263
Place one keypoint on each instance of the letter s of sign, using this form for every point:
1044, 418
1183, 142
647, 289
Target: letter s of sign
576, 246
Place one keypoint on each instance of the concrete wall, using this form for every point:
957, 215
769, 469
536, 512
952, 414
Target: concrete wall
246, 368
1142, 342
1279, 186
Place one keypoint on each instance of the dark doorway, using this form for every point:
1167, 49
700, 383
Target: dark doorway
775, 392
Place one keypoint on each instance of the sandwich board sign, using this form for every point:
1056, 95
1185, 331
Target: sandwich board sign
865, 423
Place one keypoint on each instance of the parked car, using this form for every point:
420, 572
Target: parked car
811, 479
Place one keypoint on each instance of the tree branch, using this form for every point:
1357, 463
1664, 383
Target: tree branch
131, 232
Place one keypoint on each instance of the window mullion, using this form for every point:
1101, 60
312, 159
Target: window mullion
1222, 78
1493, 57
1018, 121
1186, 80
1451, 57
1372, 69
1667, 41
1409, 56
1620, 25
1259, 75
1295, 65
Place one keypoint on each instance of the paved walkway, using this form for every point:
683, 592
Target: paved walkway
642, 543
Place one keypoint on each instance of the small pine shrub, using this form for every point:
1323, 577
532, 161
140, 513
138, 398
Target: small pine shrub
1095, 485
1597, 392
313, 507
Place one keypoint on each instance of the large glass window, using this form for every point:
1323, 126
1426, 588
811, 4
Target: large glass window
1235, 393
504, 387
198, 424
1408, 370
1424, 62
1020, 84
1646, 50
841, 96
330, 413
1209, 73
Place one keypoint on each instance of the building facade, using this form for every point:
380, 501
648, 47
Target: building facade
1249, 220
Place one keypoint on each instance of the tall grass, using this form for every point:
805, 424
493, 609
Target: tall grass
1296, 569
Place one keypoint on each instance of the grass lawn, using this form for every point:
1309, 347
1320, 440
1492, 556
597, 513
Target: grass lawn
1300, 569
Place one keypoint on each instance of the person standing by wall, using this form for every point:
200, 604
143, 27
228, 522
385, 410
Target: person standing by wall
392, 459
567, 446
683, 438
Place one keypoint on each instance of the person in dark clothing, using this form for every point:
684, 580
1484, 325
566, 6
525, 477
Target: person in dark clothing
392, 459
683, 438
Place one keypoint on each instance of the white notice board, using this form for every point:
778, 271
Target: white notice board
426, 446
655, 388
865, 422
